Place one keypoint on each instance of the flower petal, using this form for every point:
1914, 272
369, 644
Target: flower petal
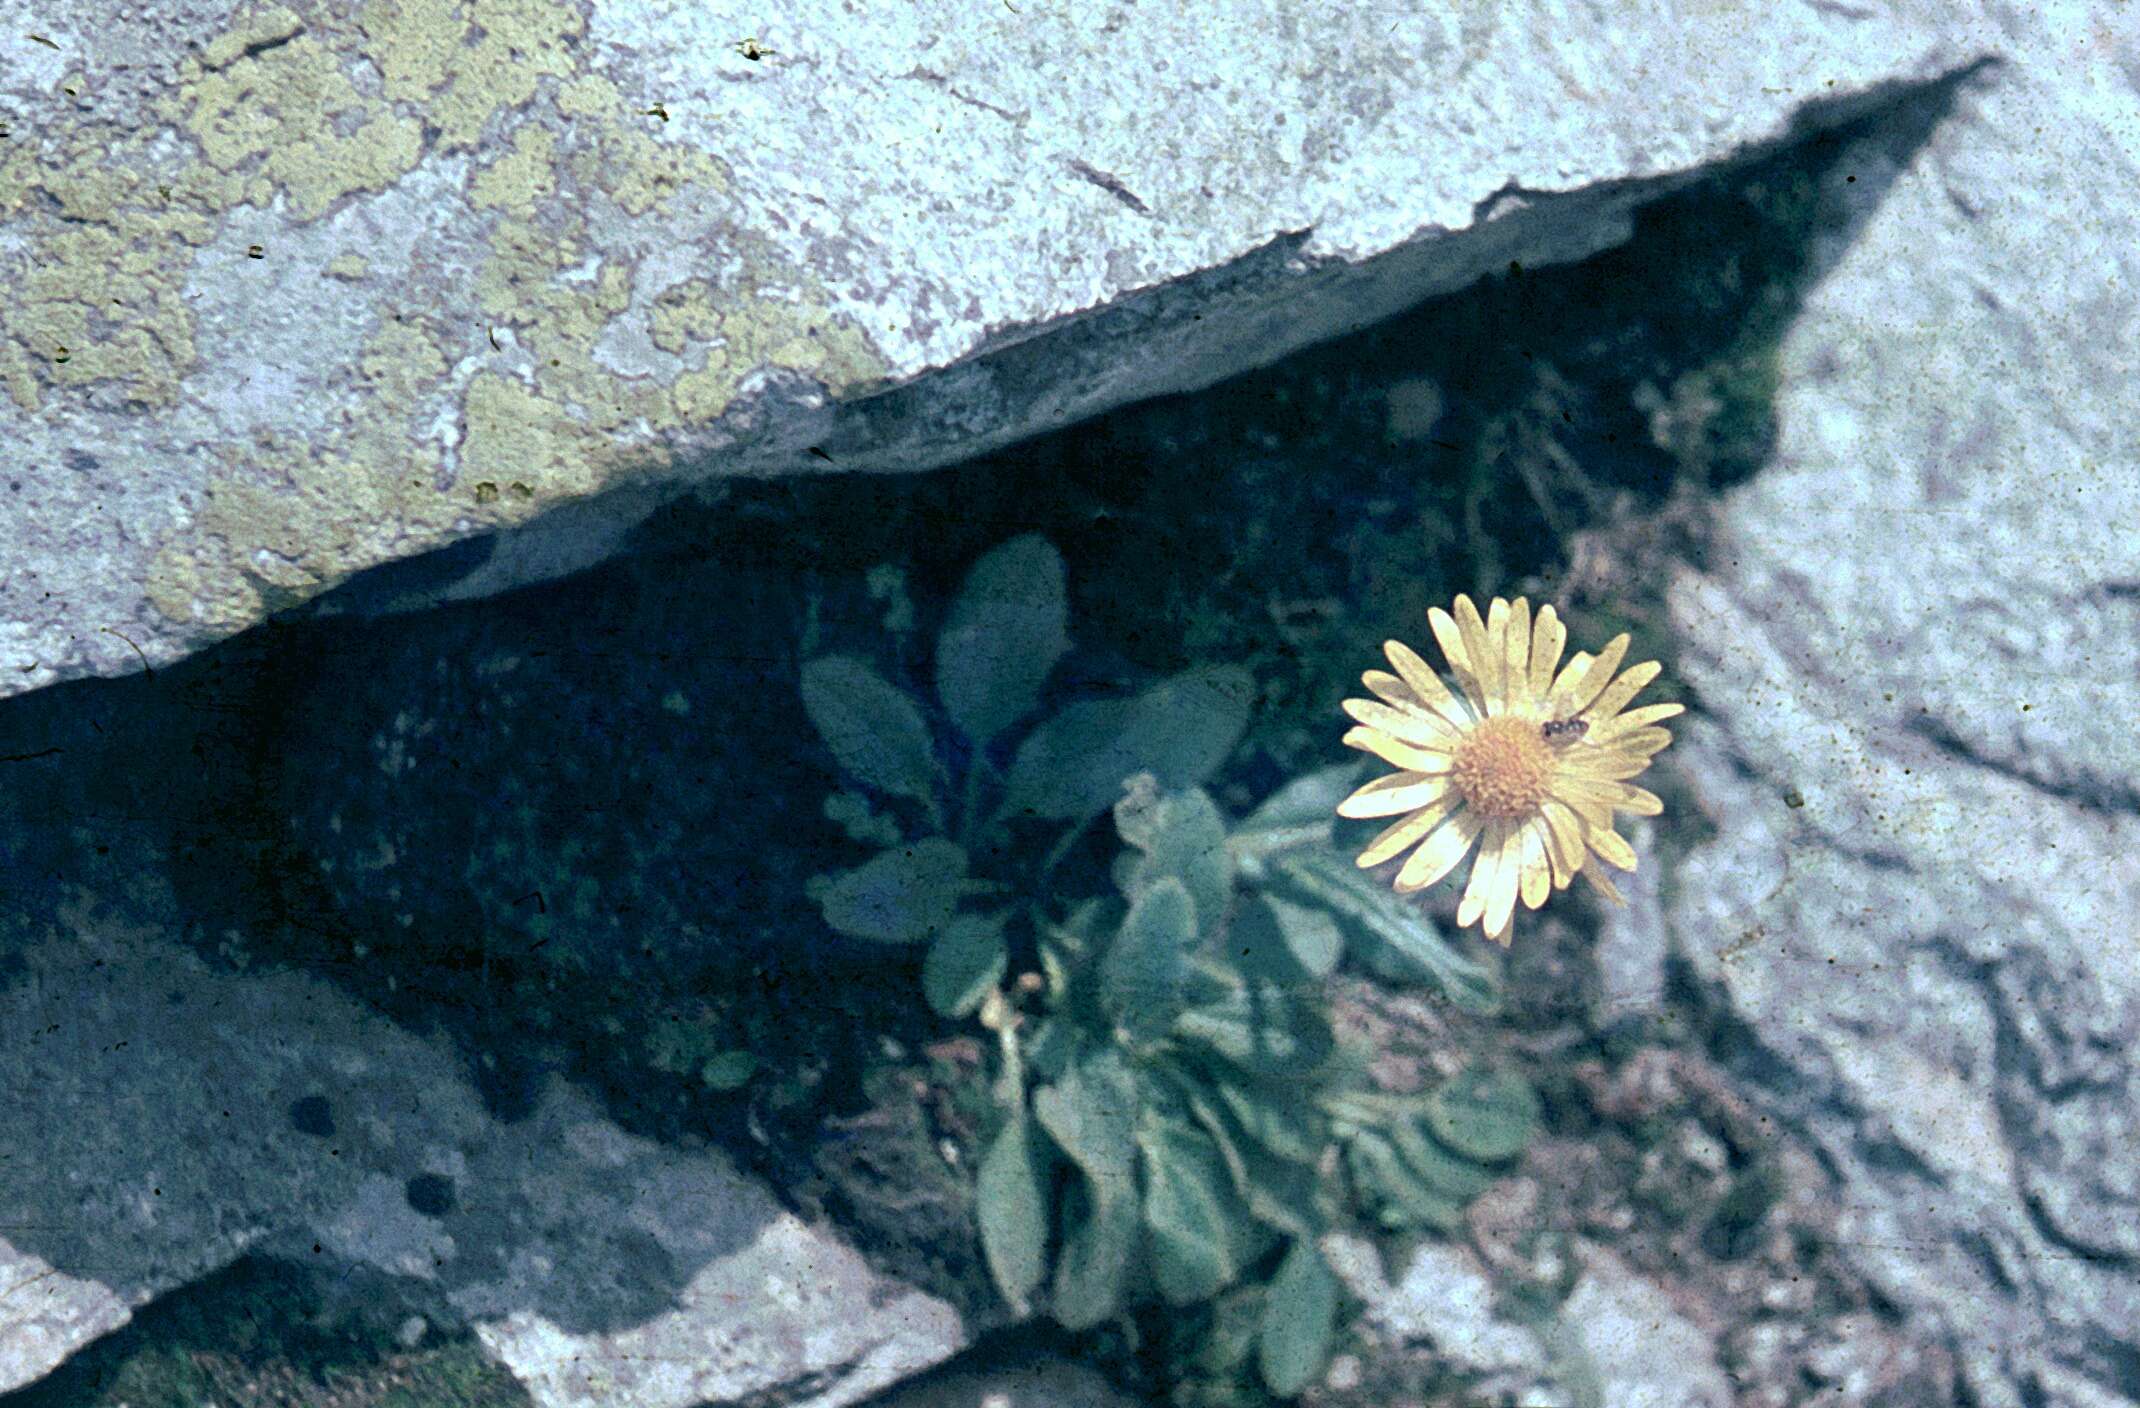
1593, 681
1394, 839
1548, 636
1537, 870
1611, 847
1516, 675
1389, 689
1450, 636
1393, 795
1414, 725
1564, 682
1619, 796
1604, 886
1493, 658
1505, 884
1605, 765
1394, 752
1421, 679
1615, 697
1644, 741
1482, 875
1565, 831
1440, 853
1610, 729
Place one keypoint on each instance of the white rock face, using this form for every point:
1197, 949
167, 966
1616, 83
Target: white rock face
292, 291
168, 1118
1920, 647
1641, 1351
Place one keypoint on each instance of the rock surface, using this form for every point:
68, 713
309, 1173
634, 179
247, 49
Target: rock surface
1039, 1382
1919, 646
183, 1115
292, 291
1639, 1351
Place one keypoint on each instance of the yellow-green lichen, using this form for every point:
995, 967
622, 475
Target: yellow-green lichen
640, 173
521, 177
465, 62
294, 111
92, 299
588, 95
298, 106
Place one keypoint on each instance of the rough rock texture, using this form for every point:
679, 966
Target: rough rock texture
1616, 1341
1638, 1350
291, 291
1919, 642
1029, 1382
183, 1115
1444, 1302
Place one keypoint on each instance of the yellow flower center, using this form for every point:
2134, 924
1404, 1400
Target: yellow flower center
1502, 767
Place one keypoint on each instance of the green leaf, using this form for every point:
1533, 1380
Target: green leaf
1099, 1247
1287, 1128
1180, 835
1004, 635
1299, 1321
1283, 942
1140, 974
1375, 917
900, 897
729, 1070
967, 959
1199, 1232
1090, 1113
1011, 1192
1302, 812
1261, 1027
1280, 1192
1401, 1197
1179, 730
873, 729
1484, 1114
1436, 1169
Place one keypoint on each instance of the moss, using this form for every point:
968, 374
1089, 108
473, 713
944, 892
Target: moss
257, 1336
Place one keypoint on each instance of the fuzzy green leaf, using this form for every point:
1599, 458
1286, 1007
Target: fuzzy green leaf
1299, 1321
1093, 1272
901, 896
1011, 1192
1374, 917
967, 959
1004, 636
1484, 1114
1435, 1167
1140, 974
1199, 1232
1090, 1113
1181, 835
1280, 1193
1261, 1027
1400, 1197
1288, 1128
1283, 942
1179, 730
872, 728
729, 1070
1300, 814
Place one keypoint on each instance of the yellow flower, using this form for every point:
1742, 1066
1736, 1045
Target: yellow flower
1527, 764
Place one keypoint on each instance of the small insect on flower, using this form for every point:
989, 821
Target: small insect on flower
1528, 764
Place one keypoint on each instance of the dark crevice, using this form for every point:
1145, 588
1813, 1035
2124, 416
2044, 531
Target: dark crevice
2100, 796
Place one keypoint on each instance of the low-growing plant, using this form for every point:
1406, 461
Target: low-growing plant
1176, 1117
